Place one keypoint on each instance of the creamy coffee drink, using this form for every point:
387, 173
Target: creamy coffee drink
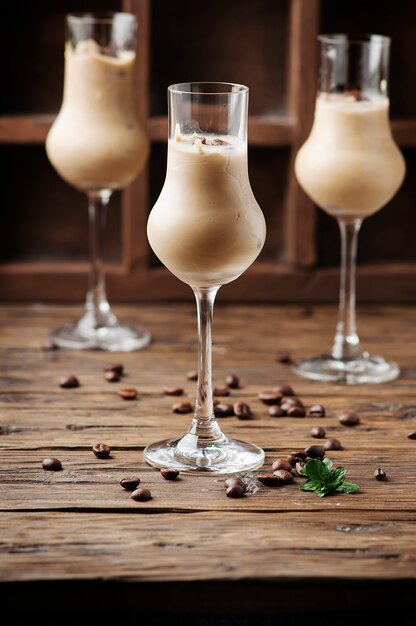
350, 165
206, 226
96, 141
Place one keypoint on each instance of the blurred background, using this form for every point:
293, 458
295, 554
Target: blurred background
270, 45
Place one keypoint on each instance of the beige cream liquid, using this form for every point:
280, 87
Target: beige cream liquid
206, 226
350, 165
96, 141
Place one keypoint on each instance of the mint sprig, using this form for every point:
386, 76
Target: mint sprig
324, 479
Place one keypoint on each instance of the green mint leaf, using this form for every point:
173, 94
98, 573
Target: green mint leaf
336, 477
316, 470
327, 462
348, 487
309, 485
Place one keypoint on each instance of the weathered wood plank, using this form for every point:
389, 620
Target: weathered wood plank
150, 547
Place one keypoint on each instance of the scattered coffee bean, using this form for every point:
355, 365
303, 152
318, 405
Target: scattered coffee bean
235, 491
283, 357
128, 393
315, 452
69, 382
173, 391
282, 464
299, 467
101, 450
242, 410
182, 407
412, 435
318, 432
220, 391
118, 368
349, 418
169, 473
141, 495
112, 376
296, 411
232, 381
270, 397
130, 483
297, 457
380, 474
223, 410
276, 411
284, 390
284, 476
229, 482
317, 410
48, 345
288, 401
52, 465
192, 375
271, 480
333, 444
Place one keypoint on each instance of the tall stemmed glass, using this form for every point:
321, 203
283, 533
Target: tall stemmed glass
97, 144
207, 228
350, 167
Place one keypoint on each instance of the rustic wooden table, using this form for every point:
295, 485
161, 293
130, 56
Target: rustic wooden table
191, 549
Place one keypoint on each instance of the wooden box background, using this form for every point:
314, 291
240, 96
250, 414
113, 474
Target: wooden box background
269, 45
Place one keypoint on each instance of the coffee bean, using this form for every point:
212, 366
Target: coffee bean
282, 464
130, 483
299, 467
118, 368
169, 473
223, 410
349, 418
276, 411
295, 457
101, 450
296, 411
173, 391
220, 391
305, 312
315, 452
52, 465
229, 482
49, 345
412, 435
270, 397
235, 491
333, 444
288, 401
284, 476
128, 393
232, 381
182, 407
141, 495
271, 480
318, 432
112, 376
317, 410
285, 390
283, 357
192, 375
69, 382
242, 411
380, 474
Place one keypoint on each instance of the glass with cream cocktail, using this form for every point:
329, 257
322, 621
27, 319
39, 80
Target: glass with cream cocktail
351, 167
207, 228
97, 144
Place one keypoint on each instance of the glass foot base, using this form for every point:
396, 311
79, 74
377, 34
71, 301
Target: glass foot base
116, 337
226, 458
364, 369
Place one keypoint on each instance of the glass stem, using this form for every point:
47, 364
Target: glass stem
346, 342
204, 424
96, 302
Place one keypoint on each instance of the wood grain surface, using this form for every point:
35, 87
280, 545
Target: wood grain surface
78, 524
